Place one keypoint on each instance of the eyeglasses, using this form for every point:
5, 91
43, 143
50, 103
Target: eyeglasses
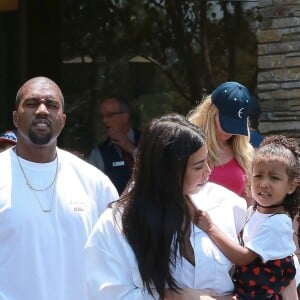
110, 114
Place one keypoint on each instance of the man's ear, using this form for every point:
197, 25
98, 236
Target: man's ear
15, 118
126, 116
64, 119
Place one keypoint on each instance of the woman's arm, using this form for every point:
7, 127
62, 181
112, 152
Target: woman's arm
110, 277
194, 294
111, 269
290, 292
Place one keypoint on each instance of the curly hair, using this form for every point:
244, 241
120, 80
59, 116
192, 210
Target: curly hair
285, 149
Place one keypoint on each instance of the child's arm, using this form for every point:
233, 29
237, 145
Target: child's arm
234, 252
194, 294
290, 292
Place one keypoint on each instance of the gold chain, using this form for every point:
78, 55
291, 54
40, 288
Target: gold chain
34, 190
29, 184
45, 210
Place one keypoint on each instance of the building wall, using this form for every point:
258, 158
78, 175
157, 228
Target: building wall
278, 81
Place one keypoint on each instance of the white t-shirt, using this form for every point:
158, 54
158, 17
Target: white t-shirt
212, 268
112, 271
270, 236
41, 253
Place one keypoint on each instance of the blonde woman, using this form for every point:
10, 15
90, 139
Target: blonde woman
223, 116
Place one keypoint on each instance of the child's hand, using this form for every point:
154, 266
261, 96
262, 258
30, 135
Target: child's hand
203, 221
199, 217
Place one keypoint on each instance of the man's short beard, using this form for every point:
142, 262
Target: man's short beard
40, 140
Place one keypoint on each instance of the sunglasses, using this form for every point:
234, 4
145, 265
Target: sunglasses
110, 114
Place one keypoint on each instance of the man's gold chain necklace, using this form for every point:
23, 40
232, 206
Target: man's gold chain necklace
35, 190
30, 185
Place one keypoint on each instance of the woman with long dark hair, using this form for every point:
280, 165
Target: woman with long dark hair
140, 244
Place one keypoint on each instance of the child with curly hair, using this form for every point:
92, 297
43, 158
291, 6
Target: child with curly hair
265, 260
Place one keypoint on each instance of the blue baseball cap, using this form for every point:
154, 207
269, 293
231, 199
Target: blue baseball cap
232, 100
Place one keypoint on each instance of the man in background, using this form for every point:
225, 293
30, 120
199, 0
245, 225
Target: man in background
115, 156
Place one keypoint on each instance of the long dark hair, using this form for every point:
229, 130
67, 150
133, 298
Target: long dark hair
155, 216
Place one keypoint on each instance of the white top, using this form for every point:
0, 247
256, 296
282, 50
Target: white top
269, 235
41, 254
112, 271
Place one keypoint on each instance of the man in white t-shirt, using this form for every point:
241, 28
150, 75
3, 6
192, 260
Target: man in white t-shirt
49, 201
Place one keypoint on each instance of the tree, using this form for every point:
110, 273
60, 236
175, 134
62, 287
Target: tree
195, 44
176, 33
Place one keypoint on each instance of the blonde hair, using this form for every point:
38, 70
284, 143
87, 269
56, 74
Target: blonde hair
203, 115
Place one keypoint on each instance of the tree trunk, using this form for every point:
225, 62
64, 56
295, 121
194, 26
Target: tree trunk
208, 74
229, 35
